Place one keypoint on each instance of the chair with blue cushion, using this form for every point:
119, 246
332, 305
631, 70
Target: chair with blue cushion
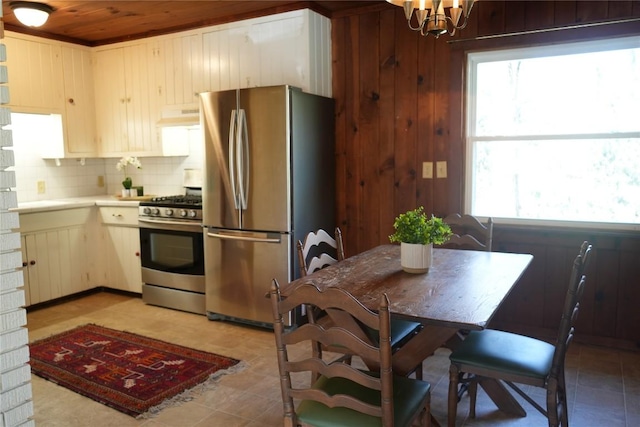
340, 394
320, 250
514, 358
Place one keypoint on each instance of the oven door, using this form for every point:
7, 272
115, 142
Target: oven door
172, 258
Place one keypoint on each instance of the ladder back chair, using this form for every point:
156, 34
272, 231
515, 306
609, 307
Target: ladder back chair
515, 358
469, 233
340, 394
320, 250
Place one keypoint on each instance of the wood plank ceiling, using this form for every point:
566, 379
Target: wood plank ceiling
95, 23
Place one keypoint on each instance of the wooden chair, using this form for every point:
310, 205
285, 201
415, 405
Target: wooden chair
342, 395
515, 358
320, 250
469, 233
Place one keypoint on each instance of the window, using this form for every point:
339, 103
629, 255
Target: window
553, 134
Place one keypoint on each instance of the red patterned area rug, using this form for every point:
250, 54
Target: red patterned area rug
128, 372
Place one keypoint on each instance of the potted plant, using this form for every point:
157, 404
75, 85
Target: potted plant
417, 234
128, 182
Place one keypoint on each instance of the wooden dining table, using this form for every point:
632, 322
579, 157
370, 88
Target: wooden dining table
461, 291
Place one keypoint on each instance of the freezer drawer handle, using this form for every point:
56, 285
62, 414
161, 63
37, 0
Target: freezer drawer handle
246, 239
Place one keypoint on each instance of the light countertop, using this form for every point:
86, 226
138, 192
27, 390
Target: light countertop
73, 202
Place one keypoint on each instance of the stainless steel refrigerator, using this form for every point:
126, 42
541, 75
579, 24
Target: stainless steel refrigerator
269, 179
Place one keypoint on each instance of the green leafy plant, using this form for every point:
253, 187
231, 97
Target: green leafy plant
414, 227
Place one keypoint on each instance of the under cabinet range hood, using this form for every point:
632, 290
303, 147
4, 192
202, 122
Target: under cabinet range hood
180, 115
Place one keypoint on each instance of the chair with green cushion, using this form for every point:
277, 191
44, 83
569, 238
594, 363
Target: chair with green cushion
320, 250
515, 358
342, 395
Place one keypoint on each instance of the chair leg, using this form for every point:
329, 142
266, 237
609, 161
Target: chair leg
552, 406
562, 394
418, 372
473, 394
453, 396
557, 403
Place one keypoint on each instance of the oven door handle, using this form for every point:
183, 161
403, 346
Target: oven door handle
159, 221
226, 236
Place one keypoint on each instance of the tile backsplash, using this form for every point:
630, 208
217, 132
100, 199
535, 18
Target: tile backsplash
76, 178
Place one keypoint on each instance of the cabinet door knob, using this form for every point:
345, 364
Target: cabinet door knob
137, 253
32, 262
24, 264
72, 101
117, 215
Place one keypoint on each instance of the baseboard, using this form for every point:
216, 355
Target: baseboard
79, 295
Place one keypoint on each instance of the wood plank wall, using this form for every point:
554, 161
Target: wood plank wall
399, 100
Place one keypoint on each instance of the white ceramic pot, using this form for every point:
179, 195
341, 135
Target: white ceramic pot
415, 258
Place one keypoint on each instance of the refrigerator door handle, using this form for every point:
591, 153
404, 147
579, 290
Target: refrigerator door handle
246, 237
232, 157
242, 141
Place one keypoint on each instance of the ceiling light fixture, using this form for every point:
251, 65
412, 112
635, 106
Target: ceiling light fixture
431, 17
31, 14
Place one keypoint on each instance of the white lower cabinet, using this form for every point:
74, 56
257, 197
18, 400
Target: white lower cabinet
55, 248
121, 244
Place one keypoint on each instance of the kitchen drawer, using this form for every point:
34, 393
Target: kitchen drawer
117, 215
40, 221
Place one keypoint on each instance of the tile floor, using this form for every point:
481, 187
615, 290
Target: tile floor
604, 384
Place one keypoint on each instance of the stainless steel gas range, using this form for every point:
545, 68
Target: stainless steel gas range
172, 253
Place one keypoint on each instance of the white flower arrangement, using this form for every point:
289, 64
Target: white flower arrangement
122, 166
126, 161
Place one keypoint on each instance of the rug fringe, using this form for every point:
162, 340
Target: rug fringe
189, 394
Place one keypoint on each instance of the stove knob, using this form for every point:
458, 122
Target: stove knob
192, 214
155, 211
168, 212
146, 211
183, 213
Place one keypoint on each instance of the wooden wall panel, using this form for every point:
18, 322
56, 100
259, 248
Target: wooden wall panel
400, 102
405, 116
386, 189
369, 137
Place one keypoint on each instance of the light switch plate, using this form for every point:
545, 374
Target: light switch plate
441, 169
427, 170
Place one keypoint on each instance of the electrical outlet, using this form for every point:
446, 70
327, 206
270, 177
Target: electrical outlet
427, 170
441, 169
100, 181
41, 187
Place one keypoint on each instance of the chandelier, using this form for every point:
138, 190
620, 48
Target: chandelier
431, 17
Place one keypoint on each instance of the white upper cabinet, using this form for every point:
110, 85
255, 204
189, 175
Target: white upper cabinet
292, 48
79, 107
178, 67
118, 100
79, 129
54, 78
126, 112
35, 75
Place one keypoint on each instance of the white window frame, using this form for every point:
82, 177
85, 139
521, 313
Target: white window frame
473, 59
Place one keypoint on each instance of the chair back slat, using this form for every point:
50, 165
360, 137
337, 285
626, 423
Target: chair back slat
469, 233
337, 400
320, 262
